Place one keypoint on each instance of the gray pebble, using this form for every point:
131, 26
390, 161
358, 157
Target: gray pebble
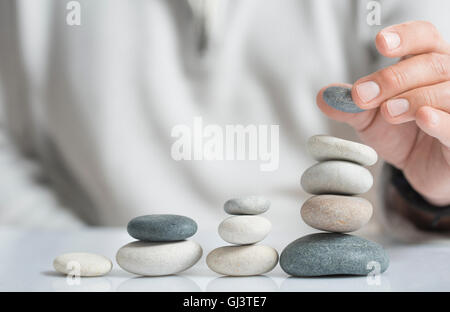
336, 177
250, 205
325, 147
161, 228
324, 254
340, 98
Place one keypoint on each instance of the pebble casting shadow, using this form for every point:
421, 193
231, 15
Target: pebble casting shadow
324, 254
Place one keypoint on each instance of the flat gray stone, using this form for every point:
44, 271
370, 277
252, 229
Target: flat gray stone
336, 213
325, 147
323, 254
161, 228
250, 205
340, 98
336, 177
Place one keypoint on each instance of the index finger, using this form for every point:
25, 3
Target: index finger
411, 38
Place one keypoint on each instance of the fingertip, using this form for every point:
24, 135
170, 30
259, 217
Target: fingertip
392, 119
380, 44
427, 117
385, 114
389, 42
356, 96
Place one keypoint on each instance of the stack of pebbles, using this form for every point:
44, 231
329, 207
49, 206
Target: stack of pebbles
244, 229
334, 180
162, 248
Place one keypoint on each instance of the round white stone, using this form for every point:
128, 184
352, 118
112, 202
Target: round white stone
325, 147
82, 264
250, 205
242, 260
336, 177
243, 230
336, 213
158, 258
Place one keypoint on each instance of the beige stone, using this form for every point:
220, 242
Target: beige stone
336, 213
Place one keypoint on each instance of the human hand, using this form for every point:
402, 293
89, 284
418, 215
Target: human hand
408, 107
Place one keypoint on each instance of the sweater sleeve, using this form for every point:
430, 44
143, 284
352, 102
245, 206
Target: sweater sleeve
404, 214
26, 199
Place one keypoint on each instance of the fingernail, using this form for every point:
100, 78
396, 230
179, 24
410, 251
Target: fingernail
367, 91
434, 118
392, 40
397, 107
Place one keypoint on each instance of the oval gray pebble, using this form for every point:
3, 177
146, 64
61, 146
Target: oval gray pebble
340, 98
336, 213
325, 147
161, 227
250, 205
336, 177
333, 254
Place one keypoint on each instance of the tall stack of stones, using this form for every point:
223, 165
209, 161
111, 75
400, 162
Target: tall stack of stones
162, 247
336, 180
244, 229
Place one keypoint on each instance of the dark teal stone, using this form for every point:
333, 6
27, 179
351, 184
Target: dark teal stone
161, 228
340, 98
324, 254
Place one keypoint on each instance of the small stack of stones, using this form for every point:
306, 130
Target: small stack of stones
162, 247
335, 180
244, 229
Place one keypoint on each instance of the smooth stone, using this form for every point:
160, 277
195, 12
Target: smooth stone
340, 98
82, 264
161, 228
157, 259
242, 260
243, 230
324, 254
336, 177
336, 213
325, 147
250, 205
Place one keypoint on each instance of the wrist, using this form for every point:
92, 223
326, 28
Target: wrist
405, 200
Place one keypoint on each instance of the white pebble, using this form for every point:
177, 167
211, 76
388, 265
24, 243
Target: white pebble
242, 260
157, 258
337, 177
244, 229
82, 264
325, 147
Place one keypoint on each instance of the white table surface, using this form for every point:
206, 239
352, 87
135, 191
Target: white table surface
27, 256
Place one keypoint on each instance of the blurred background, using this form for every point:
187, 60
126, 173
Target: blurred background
90, 92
